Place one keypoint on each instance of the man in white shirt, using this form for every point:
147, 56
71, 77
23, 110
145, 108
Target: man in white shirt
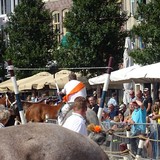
72, 90
113, 100
76, 121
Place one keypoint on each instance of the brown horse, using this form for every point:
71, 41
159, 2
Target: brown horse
35, 111
27, 104
38, 112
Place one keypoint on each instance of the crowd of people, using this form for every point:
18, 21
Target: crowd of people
137, 113
142, 114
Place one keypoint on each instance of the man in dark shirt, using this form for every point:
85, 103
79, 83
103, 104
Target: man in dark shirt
112, 111
93, 104
147, 101
132, 95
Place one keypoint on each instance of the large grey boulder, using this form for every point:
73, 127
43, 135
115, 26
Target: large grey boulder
44, 141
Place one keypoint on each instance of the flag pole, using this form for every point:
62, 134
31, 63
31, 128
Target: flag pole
13, 79
105, 88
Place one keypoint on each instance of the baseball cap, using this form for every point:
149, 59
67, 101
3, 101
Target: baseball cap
146, 89
121, 107
106, 110
134, 100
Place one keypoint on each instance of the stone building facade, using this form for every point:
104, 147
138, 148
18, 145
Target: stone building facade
59, 9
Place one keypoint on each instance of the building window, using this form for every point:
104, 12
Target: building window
8, 6
3, 6
133, 7
142, 1
65, 11
56, 24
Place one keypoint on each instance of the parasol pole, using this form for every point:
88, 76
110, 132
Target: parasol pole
13, 79
59, 96
53, 69
105, 88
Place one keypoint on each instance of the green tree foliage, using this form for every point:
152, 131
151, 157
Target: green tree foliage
31, 37
96, 33
149, 30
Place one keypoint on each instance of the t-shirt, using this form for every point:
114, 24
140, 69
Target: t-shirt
76, 123
146, 101
112, 114
138, 116
112, 101
95, 108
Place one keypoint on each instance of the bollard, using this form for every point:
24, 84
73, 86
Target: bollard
123, 147
140, 147
128, 133
46, 118
20, 108
105, 88
109, 142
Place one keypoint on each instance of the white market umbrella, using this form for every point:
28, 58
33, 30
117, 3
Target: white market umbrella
138, 74
25, 83
32, 81
145, 74
117, 77
127, 62
60, 78
40, 80
127, 59
6, 86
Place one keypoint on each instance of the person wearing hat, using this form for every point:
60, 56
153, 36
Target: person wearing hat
132, 95
130, 109
112, 111
138, 118
113, 100
72, 89
147, 101
122, 108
